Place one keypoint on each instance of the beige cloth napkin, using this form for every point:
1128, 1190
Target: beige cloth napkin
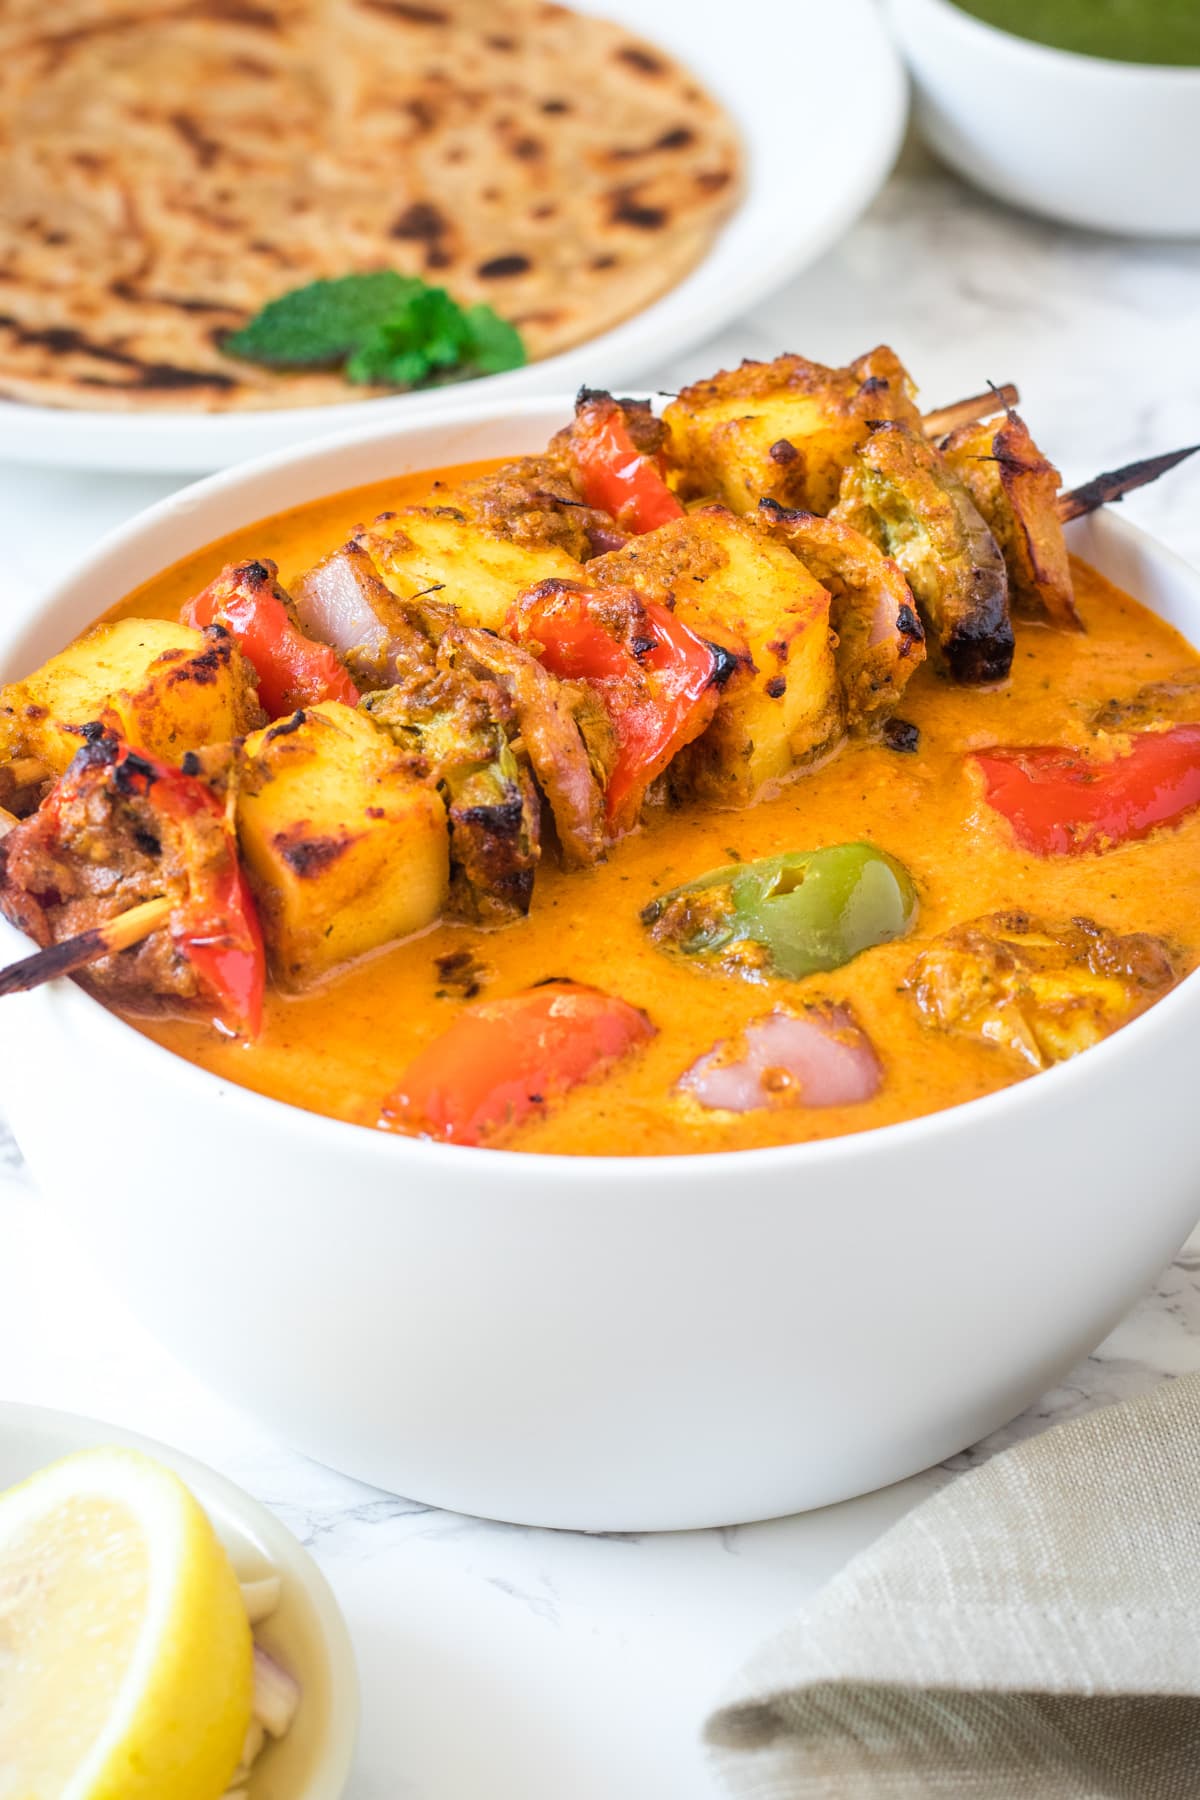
1030, 1633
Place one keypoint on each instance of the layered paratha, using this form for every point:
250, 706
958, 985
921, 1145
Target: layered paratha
171, 165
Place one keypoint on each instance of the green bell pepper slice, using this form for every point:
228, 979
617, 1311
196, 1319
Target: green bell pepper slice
787, 916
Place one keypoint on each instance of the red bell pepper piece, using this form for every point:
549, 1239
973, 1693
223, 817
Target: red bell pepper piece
614, 474
293, 670
215, 925
503, 1061
1061, 802
220, 936
657, 679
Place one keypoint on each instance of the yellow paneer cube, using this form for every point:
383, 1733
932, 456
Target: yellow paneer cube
164, 687
478, 573
784, 429
737, 588
346, 848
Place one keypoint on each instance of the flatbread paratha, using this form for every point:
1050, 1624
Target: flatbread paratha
168, 166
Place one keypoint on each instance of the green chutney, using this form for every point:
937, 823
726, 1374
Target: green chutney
1133, 31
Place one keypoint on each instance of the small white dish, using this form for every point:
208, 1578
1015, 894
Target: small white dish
1107, 145
307, 1633
788, 103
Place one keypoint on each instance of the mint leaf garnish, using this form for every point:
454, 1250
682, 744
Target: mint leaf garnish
495, 344
424, 336
318, 326
387, 329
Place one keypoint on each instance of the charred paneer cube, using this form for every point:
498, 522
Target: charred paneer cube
161, 686
736, 588
439, 550
345, 841
782, 430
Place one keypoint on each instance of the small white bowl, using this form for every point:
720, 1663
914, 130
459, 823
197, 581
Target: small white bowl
307, 1633
1108, 145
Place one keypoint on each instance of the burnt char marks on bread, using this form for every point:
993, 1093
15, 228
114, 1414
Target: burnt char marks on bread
136, 374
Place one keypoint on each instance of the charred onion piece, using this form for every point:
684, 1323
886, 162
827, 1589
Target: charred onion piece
564, 732
880, 640
121, 933
1116, 483
379, 636
817, 1056
965, 412
1016, 488
899, 492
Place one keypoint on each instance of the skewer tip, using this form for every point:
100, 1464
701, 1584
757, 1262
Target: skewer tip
120, 933
1114, 484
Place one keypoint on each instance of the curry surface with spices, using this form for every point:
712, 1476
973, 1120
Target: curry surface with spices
339, 1047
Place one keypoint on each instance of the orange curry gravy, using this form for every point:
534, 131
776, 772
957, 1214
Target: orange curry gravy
339, 1049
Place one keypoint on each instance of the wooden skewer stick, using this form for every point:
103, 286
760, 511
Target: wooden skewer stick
127, 929
22, 773
965, 412
7, 821
1118, 482
28, 771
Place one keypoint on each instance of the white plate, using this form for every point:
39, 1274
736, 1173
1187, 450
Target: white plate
820, 96
307, 1633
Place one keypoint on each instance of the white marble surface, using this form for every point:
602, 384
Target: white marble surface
526, 1665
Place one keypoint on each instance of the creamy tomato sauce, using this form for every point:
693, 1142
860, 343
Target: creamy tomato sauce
339, 1049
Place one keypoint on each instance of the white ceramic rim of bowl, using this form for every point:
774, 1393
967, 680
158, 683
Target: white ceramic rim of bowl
1102, 69
77, 1007
725, 283
330, 1769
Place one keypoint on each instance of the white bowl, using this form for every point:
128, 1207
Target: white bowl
1104, 144
610, 1343
307, 1633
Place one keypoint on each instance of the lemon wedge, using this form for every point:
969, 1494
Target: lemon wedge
125, 1650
